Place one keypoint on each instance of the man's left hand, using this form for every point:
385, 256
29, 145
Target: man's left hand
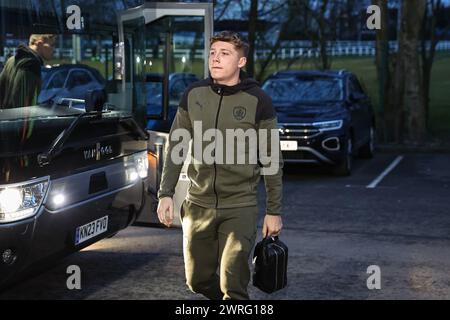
272, 225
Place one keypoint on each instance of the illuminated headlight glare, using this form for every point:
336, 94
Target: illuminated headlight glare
21, 200
136, 166
10, 200
141, 162
328, 125
59, 199
132, 175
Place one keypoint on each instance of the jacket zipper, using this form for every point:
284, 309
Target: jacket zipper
220, 91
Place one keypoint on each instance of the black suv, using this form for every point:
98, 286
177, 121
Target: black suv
324, 117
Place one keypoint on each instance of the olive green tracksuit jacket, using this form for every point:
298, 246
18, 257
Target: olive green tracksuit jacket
220, 185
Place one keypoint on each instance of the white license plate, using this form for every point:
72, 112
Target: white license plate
288, 145
91, 229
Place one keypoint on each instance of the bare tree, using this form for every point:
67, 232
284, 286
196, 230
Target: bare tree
400, 75
384, 74
321, 23
258, 39
225, 5
430, 40
321, 35
269, 43
318, 20
413, 97
252, 23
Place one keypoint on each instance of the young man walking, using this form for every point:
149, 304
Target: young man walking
219, 215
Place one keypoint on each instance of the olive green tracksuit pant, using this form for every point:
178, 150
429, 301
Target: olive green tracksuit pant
218, 239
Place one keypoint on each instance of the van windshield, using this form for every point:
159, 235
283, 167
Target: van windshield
53, 56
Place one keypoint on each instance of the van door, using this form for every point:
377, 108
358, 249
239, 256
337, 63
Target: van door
163, 47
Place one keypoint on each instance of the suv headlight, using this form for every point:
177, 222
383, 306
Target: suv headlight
21, 200
281, 129
137, 166
329, 125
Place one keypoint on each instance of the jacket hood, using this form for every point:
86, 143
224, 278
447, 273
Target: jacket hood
28, 59
245, 84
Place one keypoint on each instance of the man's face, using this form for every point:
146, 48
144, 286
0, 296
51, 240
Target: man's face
45, 48
224, 61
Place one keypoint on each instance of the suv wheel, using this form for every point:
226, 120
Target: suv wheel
368, 150
345, 167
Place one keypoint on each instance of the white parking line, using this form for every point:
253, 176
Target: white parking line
385, 172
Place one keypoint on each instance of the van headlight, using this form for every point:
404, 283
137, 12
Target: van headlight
141, 162
328, 125
136, 166
21, 200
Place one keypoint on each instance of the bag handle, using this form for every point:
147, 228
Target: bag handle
270, 239
265, 241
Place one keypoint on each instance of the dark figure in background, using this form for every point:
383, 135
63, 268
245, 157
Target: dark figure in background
20, 80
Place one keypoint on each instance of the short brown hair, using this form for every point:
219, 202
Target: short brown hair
44, 37
232, 37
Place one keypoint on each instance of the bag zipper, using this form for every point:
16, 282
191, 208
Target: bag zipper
284, 261
276, 270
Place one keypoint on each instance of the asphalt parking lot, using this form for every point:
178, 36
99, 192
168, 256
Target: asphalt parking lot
393, 212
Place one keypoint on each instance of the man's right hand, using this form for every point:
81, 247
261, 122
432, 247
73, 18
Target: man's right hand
165, 211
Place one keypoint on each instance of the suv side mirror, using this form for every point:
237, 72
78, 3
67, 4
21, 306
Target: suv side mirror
95, 100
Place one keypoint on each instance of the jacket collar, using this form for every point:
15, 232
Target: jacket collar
244, 84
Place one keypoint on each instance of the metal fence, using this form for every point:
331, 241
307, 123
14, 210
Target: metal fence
339, 48
290, 50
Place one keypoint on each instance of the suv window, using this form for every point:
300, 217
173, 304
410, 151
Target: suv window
57, 80
78, 78
354, 86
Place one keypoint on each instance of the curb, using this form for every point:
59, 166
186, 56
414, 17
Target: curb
397, 148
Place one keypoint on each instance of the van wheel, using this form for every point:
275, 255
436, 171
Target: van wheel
344, 168
367, 151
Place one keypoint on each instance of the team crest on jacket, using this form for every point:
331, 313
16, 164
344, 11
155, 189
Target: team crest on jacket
239, 113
